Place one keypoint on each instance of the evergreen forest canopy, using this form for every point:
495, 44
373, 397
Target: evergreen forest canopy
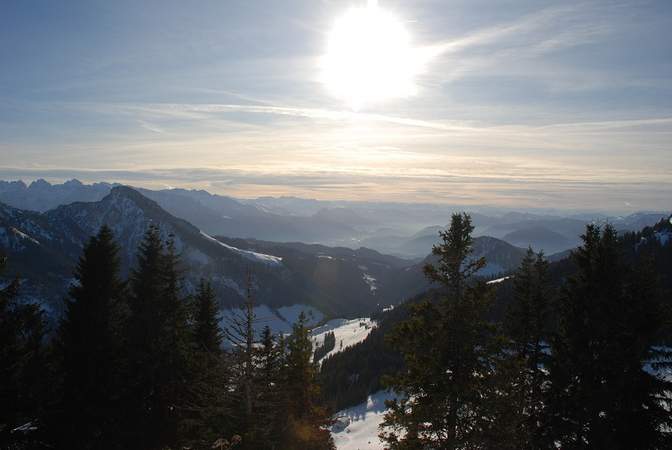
136, 364
576, 361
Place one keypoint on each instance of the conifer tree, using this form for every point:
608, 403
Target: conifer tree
602, 394
176, 371
207, 334
145, 327
307, 418
450, 353
160, 345
91, 346
206, 418
269, 379
526, 327
22, 362
327, 346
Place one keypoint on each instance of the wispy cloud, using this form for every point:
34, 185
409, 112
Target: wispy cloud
554, 105
508, 185
150, 127
545, 31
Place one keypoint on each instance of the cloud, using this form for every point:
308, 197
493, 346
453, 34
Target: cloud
541, 32
150, 127
543, 106
506, 183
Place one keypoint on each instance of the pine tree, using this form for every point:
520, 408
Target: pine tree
22, 363
269, 409
91, 346
307, 418
450, 353
146, 286
602, 395
206, 417
526, 326
160, 345
207, 334
176, 371
328, 345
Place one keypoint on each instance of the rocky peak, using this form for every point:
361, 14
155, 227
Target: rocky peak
40, 183
73, 183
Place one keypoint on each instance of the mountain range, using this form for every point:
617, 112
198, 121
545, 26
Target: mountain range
404, 230
43, 228
44, 247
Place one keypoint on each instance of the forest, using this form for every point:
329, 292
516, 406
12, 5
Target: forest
136, 364
569, 355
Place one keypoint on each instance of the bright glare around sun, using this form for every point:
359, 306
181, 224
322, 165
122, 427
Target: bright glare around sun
369, 58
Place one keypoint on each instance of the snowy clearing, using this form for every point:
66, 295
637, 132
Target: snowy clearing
347, 333
291, 314
279, 320
357, 427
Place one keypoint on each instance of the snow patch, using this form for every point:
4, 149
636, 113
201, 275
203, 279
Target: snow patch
291, 314
498, 280
371, 281
23, 235
357, 427
347, 333
279, 320
253, 256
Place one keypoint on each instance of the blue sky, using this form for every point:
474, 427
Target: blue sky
563, 104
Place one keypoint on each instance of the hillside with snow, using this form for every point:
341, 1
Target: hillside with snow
357, 428
347, 333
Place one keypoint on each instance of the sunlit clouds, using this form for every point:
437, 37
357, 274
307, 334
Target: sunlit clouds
359, 156
565, 106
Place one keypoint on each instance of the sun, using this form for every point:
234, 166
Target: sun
369, 58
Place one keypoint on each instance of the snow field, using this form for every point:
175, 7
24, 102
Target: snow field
347, 333
357, 427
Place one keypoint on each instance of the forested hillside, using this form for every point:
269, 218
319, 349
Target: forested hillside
534, 332
137, 362
568, 353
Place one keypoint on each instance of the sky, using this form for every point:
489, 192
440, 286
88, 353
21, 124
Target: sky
527, 104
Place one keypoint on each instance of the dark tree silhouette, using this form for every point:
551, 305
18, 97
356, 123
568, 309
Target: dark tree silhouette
603, 395
91, 338
449, 350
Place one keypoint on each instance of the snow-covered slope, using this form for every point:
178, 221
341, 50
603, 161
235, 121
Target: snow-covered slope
279, 320
356, 428
44, 248
346, 332
253, 256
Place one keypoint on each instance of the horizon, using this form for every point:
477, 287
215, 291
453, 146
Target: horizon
522, 107
491, 210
